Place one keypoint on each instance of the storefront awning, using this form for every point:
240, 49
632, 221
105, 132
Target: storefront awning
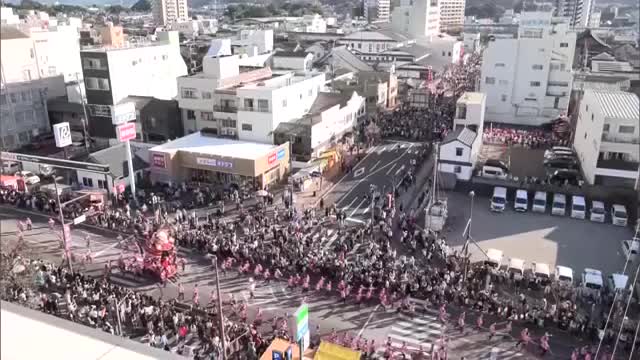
330, 351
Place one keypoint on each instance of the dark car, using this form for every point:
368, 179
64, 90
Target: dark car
562, 176
561, 163
497, 163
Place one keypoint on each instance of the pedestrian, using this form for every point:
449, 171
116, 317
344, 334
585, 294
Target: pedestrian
180, 292
492, 330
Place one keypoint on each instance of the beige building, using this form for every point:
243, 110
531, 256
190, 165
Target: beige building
451, 14
209, 159
167, 12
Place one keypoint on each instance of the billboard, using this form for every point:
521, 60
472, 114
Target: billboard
62, 134
126, 131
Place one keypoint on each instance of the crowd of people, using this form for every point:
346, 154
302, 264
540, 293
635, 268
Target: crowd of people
529, 138
428, 124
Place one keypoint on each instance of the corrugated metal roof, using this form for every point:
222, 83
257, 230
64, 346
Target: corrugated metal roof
464, 135
617, 104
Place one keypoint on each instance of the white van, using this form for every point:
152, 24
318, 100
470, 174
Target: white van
597, 211
578, 207
618, 215
516, 267
494, 258
559, 205
522, 201
630, 249
564, 275
539, 202
493, 172
592, 282
499, 199
10, 167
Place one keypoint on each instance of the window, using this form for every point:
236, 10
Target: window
592, 116
585, 134
359, 45
26, 96
490, 80
103, 84
188, 93
556, 102
14, 98
564, 45
449, 53
91, 83
370, 48
52, 70
605, 128
101, 184
206, 115
23, 137
310, 92
32, 53
3, 99
459, 151
563, 67
503, 82
503, 97
444, 53
228, 123
247, 127
534, 83
587, 108
95, 64
537, 67
555, 66
626, 129
206, 95
263, 105
87, 182
284, 102
248, 104
191, 115
457, 169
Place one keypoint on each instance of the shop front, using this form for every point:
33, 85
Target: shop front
219, 161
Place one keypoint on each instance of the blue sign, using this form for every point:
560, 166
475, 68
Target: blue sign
302, 331
276, 355
280, 154
288, 355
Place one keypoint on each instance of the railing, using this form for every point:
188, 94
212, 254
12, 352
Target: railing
225, 109
620, 139
254, 109
618, 165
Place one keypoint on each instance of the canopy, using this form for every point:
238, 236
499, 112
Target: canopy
495, 256
619, 281
330, 351
592, 276
517, 264
563, 271
541, 269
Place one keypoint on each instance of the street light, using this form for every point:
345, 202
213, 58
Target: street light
51, 172
467, 234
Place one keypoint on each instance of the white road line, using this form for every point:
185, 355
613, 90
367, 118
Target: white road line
366, 210
357, 207
390, 169
358, 172
399, 169
105, 249
355, 220
351, 203
331, 241
368, 320
375, 165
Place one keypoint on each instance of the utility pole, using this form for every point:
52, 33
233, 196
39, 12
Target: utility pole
86, 118
222, 338
472, 194
65, 241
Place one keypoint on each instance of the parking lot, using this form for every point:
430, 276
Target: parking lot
536, 237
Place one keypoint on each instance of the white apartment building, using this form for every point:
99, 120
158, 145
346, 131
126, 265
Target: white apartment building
253, 42
31, 52
308, 23
451, 14
7, 17
418, 18
377, 10
528, 78
166, 12
578, 11
113, 73
470, 111
607, 138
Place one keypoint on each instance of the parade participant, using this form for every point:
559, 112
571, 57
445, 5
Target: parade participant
524, 338
479, 322
461, 321
196, 295
492, 330
252, 288
51, 223
544, 344
180, 291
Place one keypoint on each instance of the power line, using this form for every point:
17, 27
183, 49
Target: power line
624, 317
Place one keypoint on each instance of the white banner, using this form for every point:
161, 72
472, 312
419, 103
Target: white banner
62, 134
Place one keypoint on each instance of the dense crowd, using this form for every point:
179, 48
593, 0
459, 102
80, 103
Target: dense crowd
530, 138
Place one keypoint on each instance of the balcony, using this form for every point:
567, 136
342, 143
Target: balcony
620, 139
618, 165
225, 109
254, 109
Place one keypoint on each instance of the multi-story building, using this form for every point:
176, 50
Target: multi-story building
113, 73
377, 10
470, 111
607, 138
528, 77
451, 14
380, 89
418, 18
578, 11
166, 12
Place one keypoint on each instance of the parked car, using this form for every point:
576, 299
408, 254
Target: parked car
597, 213
618, 215
28, 177
630, 249
10, 167
561, 176
561, 163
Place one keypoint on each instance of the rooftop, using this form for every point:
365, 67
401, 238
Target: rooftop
116, 158
126, 46
326, 101
198, 143
464, 135
617, 104
471, 98
368, 35
10, 33
296, 54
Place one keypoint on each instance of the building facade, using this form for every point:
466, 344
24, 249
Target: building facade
418, 18
470, 111
459, 153
528, 77
112, 74
377, 10
166, 12
451, 14
578, 11
607, 138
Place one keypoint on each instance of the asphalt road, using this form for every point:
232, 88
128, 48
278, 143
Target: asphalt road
384, 166
327, 312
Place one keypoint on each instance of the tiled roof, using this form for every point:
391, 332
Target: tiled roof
617, 104
464, 135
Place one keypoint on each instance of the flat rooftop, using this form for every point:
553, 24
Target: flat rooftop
471, 98
210, 145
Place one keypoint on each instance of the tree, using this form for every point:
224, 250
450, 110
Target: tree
141, 6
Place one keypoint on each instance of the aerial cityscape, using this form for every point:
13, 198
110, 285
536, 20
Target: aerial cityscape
320, 179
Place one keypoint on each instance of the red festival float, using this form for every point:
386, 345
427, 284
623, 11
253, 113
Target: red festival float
160, 255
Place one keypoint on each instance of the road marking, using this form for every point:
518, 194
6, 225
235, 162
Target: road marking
355, 220
105, 249
375, 165
357, 207
331, 241
358, 172
390, 169
368, 320
351, 203
344, 176
400, 169
366, 210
